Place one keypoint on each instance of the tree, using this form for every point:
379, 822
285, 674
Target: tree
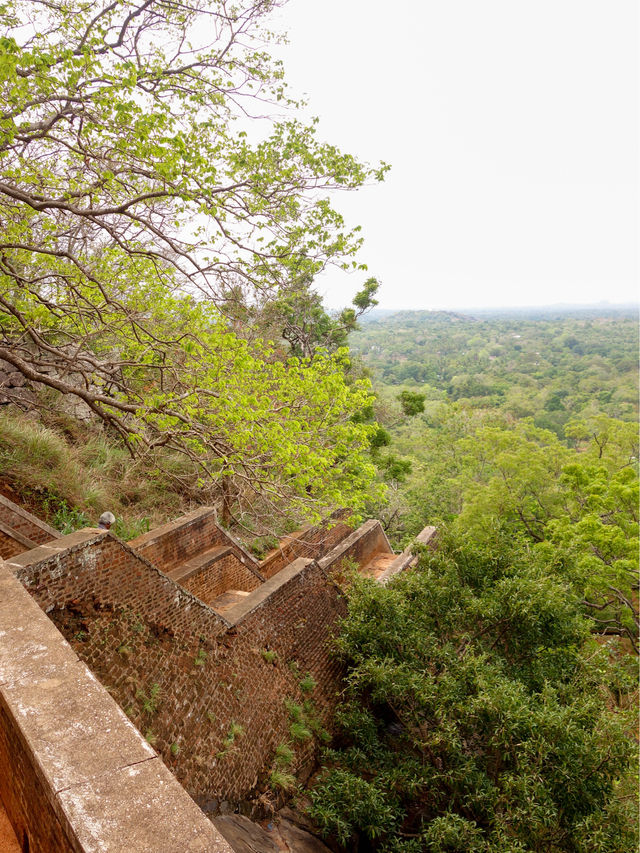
472, 719
132, 202
412, 403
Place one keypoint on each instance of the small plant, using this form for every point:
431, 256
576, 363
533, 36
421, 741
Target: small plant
150, 737
151, 702
174, 749
269, 656
200, 658
294, 666
284, 755
81, 636
211, 717
281, 780
299, 731
235, 731
308, 684
138, 625
295, 711
124, 650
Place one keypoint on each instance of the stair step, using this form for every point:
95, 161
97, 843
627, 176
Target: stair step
227, 600
199, 561
377, 565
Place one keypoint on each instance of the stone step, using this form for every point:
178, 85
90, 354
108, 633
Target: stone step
227, 600
378, 564
200, 561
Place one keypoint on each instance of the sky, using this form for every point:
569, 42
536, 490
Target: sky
512, 130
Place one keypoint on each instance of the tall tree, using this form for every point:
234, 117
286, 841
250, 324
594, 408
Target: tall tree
130, 195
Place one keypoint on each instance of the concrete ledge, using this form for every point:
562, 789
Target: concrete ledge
261, 595
51, 549
427, 536
74, 773
367, 540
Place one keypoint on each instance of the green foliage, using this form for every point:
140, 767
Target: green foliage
284, 755
150, 702
412, 403
473, 718
236, 730
269, 656
200, 658
308, 684
299, 731
282, 781
143, 233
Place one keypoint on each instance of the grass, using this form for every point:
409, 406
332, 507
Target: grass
269, 656
235, 731
151, 702
200, 658
68, 473
284, 755
308, 684
281, 780
299, 731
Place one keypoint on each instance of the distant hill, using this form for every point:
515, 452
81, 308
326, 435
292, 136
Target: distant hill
546, 312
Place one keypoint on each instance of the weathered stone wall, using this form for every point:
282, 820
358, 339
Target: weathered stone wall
210, 580
20, 530
208, 692
74, 773
310, 542
178, 541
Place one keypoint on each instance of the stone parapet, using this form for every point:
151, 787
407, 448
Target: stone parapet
75, 775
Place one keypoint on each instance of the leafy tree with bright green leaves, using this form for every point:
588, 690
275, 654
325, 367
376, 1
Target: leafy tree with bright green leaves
136, 215
475, 716
411, 402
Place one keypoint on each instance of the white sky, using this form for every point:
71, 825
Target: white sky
512, 130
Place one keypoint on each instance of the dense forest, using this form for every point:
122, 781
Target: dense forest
492, 693
163, 345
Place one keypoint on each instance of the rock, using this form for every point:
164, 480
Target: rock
284, 837
300, 841
245, 836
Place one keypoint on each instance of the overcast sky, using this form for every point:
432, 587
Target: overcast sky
512, 131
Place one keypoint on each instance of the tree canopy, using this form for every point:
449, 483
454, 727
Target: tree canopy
140, 215
475, 716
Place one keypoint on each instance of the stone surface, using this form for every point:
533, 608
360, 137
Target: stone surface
244, 836
135, 810
74, 773
299, 841
280, 836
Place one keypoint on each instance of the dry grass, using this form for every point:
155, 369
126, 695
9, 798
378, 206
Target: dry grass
68, 473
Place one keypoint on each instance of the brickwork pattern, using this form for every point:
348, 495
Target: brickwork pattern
177, 542
310, 542
184, 675
210, 581
23, 522
24, 793
9, 545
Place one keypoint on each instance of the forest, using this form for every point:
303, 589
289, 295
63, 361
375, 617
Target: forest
165, 214
491, 698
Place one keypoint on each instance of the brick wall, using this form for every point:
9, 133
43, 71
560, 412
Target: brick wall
74, 773
177, 542
185, 675
311, 542
19, 530
359, 547
210, 581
